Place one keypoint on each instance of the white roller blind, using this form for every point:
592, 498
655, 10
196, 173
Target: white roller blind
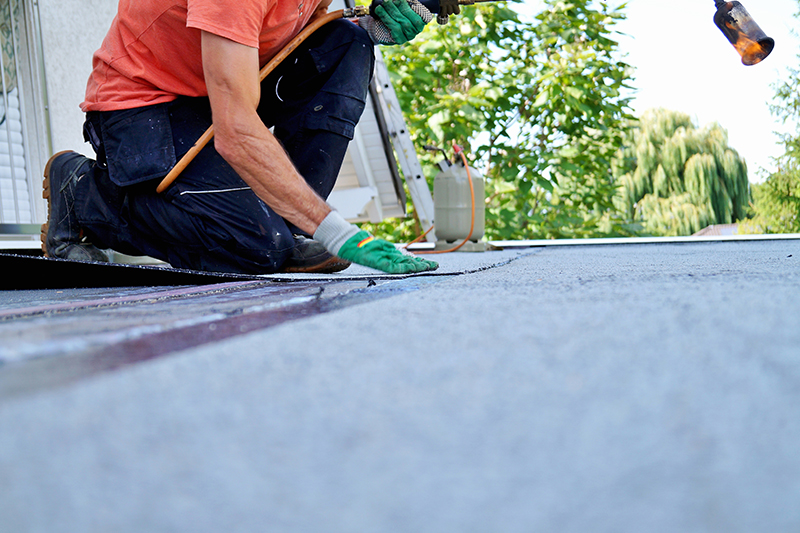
14, 190
16, 205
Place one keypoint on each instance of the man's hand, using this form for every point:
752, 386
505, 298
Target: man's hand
364, 249
396, 21
348, 242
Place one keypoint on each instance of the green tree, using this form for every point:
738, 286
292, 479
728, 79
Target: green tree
538, 104
676, 179
776, 202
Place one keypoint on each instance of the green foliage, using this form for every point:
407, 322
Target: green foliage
676, 179
538, 104
776, 202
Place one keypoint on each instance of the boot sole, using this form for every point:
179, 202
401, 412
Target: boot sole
329, 266
46, 195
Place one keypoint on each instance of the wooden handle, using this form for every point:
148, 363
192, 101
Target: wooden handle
186, 159
269, 67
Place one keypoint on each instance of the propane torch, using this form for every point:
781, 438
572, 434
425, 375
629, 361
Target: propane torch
742, 31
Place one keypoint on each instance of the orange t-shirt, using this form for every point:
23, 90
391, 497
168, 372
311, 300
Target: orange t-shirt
152, 52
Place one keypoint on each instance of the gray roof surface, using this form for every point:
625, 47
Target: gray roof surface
644, 387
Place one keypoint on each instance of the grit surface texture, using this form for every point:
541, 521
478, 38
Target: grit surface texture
597, 388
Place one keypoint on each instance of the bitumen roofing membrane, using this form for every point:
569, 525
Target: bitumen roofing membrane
607, 386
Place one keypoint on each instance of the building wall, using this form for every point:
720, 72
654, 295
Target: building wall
71, 32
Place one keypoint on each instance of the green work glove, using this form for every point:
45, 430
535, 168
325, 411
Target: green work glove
396, 21
348, 242
402, 22
364, 249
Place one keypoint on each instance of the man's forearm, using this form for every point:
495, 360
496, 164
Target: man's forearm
257, 156
242, 139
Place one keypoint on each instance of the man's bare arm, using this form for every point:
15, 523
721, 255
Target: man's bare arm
242, 139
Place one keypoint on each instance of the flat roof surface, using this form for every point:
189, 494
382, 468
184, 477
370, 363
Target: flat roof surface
643, 386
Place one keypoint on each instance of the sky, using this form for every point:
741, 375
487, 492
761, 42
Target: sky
683, 62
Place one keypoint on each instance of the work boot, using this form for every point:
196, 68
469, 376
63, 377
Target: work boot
310, 256
61, 235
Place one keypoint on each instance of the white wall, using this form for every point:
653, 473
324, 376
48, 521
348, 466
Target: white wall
71, 32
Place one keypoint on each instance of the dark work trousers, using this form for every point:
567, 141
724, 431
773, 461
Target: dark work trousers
209, 219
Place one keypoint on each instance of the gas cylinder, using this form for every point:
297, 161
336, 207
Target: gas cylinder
452, 203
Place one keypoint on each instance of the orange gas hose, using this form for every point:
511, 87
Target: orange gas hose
418, 238
269, 67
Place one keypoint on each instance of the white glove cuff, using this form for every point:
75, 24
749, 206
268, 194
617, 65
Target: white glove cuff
334, 231
376, 30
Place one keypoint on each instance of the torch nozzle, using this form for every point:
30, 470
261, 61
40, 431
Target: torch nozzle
743, 33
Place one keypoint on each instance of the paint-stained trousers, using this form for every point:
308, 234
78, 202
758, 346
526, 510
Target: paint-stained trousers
209, 219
